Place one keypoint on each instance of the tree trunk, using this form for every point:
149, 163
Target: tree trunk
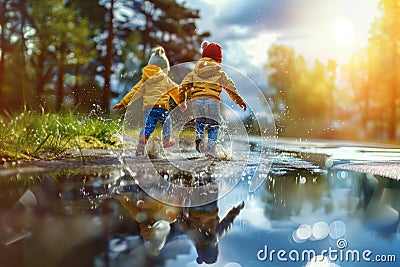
40, 81
60, 80
108, 61
75, 90
23, 53
2, 42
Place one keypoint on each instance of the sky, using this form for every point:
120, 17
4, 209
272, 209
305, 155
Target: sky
317, 29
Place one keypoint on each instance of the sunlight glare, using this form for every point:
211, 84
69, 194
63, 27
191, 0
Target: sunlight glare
342, 31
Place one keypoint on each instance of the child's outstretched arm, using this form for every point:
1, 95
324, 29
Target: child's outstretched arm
237, 99
173, 90
186, 85
232, 91
182, 96
175, 96
126, 100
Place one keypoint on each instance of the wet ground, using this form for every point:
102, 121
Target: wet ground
322, 204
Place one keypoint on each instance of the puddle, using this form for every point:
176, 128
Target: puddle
96, 215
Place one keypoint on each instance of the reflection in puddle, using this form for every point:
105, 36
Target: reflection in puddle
98, 216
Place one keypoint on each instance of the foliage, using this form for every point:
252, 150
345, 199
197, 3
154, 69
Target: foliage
30, 134
302, 98
59, 55
131, 29
362, 94
372, 76
55, 52
63, 35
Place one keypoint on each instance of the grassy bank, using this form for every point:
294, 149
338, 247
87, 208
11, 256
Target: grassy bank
32, 135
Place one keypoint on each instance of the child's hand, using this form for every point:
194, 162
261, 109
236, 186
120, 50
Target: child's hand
183, 106
243, 106
118, 106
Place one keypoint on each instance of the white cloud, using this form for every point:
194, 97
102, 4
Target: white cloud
246, 29
252, 50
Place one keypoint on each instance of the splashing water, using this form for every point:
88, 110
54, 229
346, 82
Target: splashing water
235, 148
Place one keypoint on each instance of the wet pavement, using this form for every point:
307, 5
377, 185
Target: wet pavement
322, 204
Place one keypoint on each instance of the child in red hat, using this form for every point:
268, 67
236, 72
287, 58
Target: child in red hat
205, 84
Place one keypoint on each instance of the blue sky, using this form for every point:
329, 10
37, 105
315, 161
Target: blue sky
328, 29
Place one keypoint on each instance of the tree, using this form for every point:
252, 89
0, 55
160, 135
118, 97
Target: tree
13, 74
109, 57
164, 22
171, 24
60, 37
281, 73
332, 75
53, 48
4, 43
385, 48
360, 82
72, 38
21, 20
134, 28
303, 98
42, 51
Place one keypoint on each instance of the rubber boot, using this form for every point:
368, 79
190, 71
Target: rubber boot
141, 145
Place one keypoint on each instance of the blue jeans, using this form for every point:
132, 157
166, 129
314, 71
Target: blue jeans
154, 115
206, 112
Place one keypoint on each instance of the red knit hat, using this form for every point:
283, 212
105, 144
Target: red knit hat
212, 50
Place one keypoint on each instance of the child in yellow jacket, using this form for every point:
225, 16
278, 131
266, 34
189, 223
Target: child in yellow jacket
205, 84
156, 88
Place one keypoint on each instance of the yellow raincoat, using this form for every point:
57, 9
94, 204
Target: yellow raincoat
155, 87
206, 81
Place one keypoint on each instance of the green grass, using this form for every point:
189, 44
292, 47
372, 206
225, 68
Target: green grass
30, 134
